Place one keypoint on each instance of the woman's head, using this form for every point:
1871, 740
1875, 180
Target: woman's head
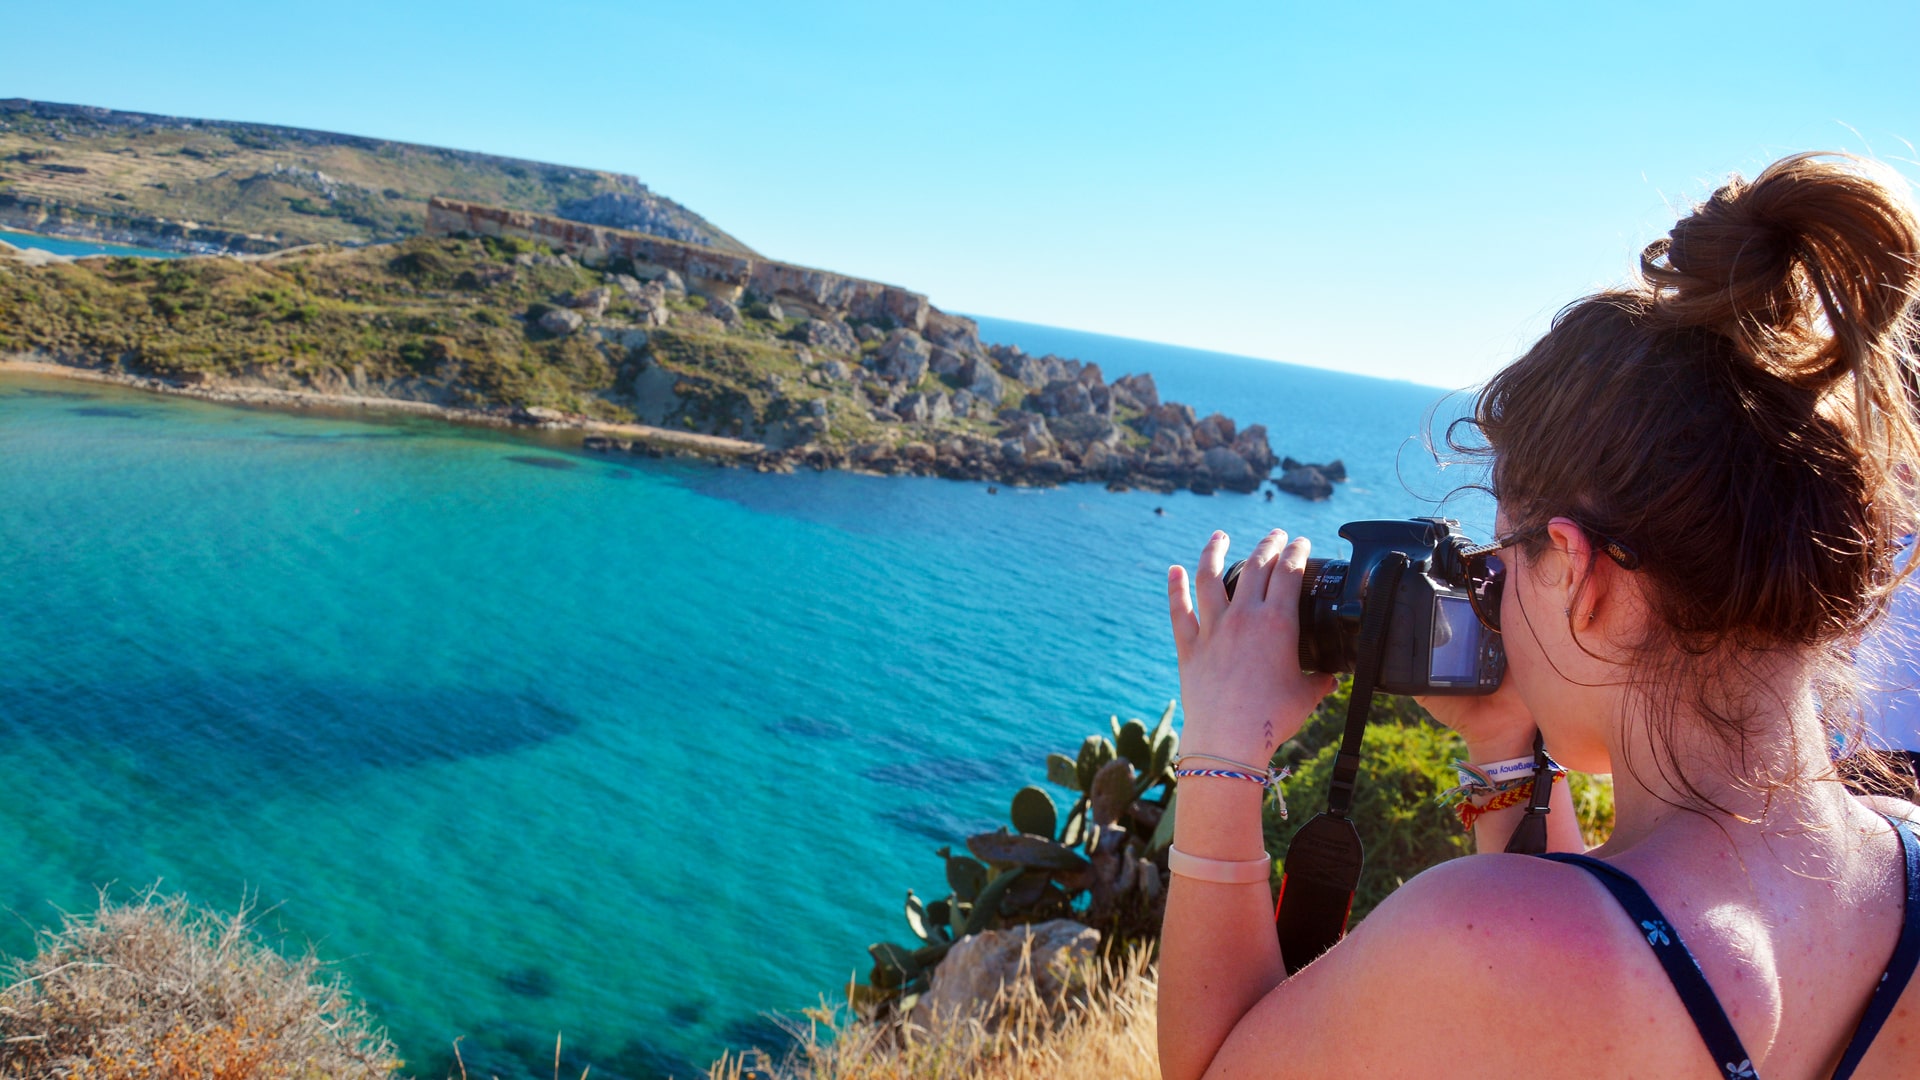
1742, 417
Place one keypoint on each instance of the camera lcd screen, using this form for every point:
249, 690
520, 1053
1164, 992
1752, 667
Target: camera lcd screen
1456, 643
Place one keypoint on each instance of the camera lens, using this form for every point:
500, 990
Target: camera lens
1321, 645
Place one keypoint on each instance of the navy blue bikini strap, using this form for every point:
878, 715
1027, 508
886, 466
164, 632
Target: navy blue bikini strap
1906, 953
1683, 970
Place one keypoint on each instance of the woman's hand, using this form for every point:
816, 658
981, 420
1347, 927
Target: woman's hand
1496, 726
1240, 679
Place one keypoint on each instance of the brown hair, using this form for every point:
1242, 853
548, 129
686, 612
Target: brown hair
1742, 416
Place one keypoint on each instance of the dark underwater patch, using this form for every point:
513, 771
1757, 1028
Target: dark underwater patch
107, 411
942, 771
558, 464
528, 982
935, 823
810, 727
251, 731
62, 395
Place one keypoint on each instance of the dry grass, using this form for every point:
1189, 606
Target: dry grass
1108, 1035
154, 990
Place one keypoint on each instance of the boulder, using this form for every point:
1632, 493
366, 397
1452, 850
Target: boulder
978, 376
1090, 376
1172, 415
867, 332
955, 333
1065, 397
1215, 430
1335, 470
1051, 955
629, 286
904, 356
912, 409
593, 302
1306, 482
963, 403
775, 312
1231, 471
560, 322
1251, 444
1141, 391
672, 283
827, 336
1084, 429
724, 310
945, 361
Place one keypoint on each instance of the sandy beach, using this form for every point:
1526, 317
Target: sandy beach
276, 398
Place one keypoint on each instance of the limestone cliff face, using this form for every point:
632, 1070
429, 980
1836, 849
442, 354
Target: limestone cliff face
706, 271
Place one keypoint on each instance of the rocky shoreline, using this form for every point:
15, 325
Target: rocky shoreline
504, 331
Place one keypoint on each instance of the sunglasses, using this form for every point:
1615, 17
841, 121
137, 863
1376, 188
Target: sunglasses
1487, 575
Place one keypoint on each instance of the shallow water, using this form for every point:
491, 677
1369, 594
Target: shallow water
531, 741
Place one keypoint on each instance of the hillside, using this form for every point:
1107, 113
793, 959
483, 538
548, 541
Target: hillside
212, 185
510, 330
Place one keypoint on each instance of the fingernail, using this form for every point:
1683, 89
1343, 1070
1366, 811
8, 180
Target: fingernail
1219, 534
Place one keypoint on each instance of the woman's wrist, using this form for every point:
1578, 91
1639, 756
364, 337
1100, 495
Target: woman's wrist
1501, 747
1219, 818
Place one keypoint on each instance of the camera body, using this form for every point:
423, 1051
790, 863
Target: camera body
1435, 643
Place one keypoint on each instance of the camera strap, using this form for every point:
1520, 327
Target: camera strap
1322, 865
1530, 836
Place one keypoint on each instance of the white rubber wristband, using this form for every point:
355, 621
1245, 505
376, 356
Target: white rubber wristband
1220, 871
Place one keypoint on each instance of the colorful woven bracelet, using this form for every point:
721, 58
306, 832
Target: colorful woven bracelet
1226, 774
1513, 796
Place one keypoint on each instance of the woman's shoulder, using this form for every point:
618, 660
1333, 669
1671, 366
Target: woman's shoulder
1493, 951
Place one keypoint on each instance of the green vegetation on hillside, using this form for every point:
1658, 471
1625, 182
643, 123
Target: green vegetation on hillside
155, 177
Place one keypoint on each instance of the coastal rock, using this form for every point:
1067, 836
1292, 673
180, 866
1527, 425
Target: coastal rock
904, 356
1064, 397
1251, 444
629, 286
1084, 429
827, 336
1140, 391
672, 283
724, 310
945, 361
836, 371
963, 403
1171, 416
867, 332
560, 322
954, 333
980, 965
978, 376
775, 312
1215, 430
1335, 470
1230, 470
912, 409
1306, 482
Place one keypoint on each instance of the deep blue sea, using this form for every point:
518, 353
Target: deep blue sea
532, 742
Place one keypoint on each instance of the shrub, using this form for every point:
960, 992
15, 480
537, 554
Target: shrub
155, 990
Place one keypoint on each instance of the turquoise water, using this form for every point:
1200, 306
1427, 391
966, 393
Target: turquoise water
60, 245
532, 742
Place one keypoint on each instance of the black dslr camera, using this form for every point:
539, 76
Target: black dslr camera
1436, 642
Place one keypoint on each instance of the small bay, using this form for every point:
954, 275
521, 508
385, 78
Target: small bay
530, 741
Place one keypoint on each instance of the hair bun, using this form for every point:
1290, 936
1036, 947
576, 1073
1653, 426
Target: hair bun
1808, 267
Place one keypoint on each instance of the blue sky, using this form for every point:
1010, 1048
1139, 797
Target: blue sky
1398, 190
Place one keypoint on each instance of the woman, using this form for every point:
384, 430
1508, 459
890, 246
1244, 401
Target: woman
1699, 493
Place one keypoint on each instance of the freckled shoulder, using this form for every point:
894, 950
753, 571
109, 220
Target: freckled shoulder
1486, 958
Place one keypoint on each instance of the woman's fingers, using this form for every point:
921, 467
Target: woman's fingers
1212, 590
1186, 628
1258, 569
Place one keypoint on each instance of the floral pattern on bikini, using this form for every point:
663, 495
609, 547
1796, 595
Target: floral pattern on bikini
1659, 933
1742, 1071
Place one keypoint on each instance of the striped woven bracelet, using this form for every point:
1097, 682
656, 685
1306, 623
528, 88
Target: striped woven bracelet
1265, 781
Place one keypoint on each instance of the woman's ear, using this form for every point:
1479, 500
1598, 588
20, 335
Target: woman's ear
1575, 573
